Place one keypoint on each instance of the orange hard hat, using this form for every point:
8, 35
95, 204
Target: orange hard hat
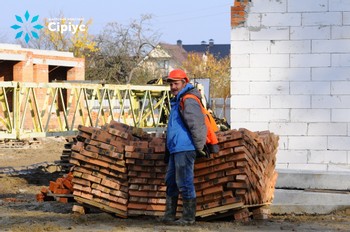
178, 74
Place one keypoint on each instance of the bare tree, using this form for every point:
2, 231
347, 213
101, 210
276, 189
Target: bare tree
121, 49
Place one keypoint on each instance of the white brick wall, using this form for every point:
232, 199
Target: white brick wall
291, 75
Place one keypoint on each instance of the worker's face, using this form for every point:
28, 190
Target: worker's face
176, 86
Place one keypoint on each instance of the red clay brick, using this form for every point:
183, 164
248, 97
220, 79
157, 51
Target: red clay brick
63, 199
86, 129
236, 185
91, 178
159, 157
68, 184
118, 206
154, 207
118, 133
140, 206
134, 155
139, 144
159, 149
110, 183
84, 135
78, 146
212, 190
117, 155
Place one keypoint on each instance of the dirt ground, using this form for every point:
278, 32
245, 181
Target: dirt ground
24, 170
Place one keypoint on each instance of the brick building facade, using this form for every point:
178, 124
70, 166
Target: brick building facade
42, 66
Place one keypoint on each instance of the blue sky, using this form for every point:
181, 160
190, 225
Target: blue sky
190, 21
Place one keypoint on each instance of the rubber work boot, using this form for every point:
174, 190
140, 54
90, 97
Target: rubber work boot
188, 213
170, 210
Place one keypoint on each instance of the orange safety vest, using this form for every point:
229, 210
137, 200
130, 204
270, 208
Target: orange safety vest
209, 120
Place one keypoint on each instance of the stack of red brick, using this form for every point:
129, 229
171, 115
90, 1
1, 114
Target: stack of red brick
60, 190
120, 169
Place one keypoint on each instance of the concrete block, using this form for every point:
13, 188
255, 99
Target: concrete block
339, 5
283, 142
322, 19
310, 87
313, 180
307, 6
288, 128
240, 88
290, 101
330, 73
239, 33
340, 115
341, 32
310, 115
327, 129
250, 74
240, 61
291, 156
340, 87
346, 18
272, 33
328, 156
240, 115
302, 46
339, 143
307, 142
270, 87
250, 101
340, 60
269, 60
290, 74
331, 46
310, 60
273, 115
253, 21
248, 47
284, 19
334, 101
310, 32
268, 6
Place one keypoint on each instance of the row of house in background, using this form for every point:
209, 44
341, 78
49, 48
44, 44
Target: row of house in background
166, 57
33, 65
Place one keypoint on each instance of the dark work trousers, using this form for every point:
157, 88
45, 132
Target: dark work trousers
179, 175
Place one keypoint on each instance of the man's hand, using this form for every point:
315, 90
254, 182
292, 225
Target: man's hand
201, 154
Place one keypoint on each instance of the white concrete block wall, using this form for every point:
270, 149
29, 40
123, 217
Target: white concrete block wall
291, 75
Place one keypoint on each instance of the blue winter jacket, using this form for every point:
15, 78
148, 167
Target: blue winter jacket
186, 127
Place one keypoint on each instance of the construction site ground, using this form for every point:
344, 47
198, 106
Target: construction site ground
27, 167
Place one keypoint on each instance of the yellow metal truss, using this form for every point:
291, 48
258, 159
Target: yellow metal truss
31, 110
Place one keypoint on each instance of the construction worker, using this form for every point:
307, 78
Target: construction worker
186, 137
